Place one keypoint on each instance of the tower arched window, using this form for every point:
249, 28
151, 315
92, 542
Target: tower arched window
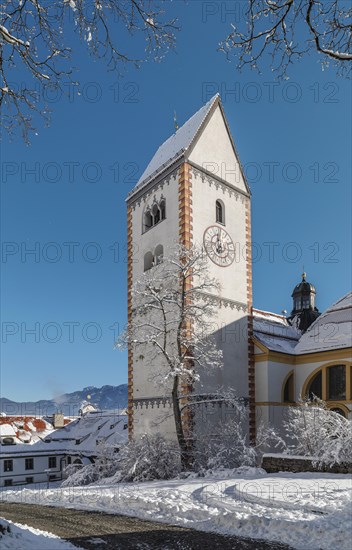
148, 220
154, 214
158, 254
162, 209
220, 212
148, 261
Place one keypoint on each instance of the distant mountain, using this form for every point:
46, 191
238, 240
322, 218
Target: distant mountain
105, 398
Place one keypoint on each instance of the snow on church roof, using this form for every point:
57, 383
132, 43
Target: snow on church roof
174, 147
331, 330
274, 331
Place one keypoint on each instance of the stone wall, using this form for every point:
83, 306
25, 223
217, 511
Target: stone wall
279, 463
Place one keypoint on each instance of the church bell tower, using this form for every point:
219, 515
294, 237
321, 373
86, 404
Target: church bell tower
194, 192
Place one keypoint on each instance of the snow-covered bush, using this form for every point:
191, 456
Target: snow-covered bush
147, 458
223, 445
319, 433
222, 439
105, 465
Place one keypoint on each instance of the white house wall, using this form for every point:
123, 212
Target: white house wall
19, 473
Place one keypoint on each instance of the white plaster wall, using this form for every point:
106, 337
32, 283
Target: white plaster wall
230, 324
214, 152
204, 195
277, 374
19, 473
148, 373
154, 420
261, 381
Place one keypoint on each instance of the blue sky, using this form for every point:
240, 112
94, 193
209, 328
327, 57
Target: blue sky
293, 139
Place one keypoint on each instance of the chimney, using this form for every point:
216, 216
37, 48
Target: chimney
58, 420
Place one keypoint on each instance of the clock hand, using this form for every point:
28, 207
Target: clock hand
218, 244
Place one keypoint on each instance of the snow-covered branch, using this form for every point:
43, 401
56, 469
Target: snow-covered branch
320, 433
172, 322
34, 36
287, 30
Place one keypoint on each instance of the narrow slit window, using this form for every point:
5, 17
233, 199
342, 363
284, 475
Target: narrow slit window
220, 214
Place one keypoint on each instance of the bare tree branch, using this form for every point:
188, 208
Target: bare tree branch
287, 30
35, 44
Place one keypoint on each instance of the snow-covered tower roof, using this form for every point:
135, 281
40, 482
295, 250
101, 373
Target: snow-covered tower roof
179, 144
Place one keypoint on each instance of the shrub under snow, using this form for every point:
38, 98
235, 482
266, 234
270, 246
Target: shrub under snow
318, 432
149, 457
223, 445
144, 459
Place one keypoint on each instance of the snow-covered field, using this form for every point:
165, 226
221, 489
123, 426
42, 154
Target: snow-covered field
303, 510
22, 537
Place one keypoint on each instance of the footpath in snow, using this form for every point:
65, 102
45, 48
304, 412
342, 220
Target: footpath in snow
15, 536
308, 510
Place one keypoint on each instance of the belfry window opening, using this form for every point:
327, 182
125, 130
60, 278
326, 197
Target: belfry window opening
154, 215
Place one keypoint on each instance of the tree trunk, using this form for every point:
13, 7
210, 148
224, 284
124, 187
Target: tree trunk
186, 458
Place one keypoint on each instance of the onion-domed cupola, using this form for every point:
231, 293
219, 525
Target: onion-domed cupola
304, 311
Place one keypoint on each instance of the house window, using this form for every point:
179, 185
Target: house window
336, 382
8, 482
52, 462
29, 464
220, 212
52, 477
29, 479
8, 465
289, 389
315, 387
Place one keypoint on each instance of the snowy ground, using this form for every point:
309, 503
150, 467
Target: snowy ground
303, 510
22, 537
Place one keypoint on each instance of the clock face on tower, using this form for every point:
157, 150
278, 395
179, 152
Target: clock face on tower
219, 246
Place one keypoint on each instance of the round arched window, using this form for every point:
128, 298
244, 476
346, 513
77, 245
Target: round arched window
338, 411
